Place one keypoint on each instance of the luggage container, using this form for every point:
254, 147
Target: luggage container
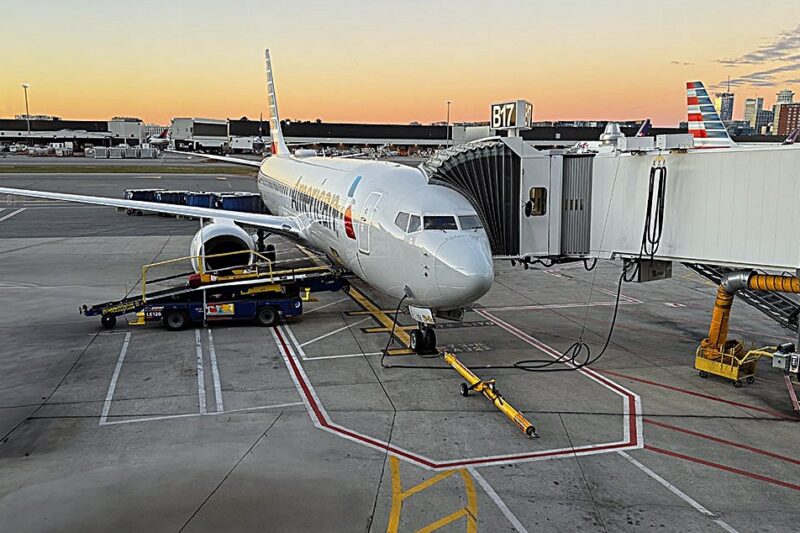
131, 153
170, 197
141, 195
201, 199
245, 202
148, 153
116, 153
164, 196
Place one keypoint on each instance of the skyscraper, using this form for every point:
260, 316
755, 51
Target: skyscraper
763, 120
751, 108
723, 103
784, 97
788, 120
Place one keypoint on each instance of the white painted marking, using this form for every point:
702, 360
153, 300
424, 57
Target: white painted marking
679, 493
191, 415
13, 213
212, 352
326, 305
114, 378
334, 332
556, 306
201, 379
515, 523
342, 356
291, 354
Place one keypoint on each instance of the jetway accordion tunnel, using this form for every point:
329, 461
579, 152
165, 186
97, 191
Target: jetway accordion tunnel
487, 174
717, 341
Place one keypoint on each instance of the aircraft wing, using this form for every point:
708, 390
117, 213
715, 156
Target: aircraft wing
226, 159
288, 226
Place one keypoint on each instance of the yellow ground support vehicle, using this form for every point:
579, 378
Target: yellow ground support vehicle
733, 363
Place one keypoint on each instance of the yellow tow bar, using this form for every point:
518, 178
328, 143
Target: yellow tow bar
488, 389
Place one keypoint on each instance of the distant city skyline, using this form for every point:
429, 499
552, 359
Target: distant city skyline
358, 61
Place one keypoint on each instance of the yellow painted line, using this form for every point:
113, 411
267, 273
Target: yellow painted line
470, 511
397, 499
452, 517
472, 501
361, 313
381, 329
379, 315
441, 476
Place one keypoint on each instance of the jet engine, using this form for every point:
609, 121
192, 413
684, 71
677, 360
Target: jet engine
221, 237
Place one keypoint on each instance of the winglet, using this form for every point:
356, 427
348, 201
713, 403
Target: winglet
704, 123
278, 144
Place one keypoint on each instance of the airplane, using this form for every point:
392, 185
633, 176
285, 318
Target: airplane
705, 125
707, 128
422, 243
644, 129
160, 140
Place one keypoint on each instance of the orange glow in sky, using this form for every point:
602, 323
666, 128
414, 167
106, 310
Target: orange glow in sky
349, 61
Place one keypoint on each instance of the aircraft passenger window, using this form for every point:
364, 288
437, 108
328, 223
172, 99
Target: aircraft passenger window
469, 222
401, 221
440, 222
414, 223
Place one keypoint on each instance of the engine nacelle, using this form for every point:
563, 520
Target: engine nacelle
221, 237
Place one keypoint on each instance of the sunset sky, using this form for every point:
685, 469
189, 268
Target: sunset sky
372, 61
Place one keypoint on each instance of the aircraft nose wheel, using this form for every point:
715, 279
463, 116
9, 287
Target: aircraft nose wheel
422, 341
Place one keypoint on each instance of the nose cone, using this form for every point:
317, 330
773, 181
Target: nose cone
464, 269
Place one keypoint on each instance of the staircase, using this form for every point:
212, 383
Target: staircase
779, 307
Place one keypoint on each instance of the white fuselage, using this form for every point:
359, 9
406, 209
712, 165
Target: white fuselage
348, 209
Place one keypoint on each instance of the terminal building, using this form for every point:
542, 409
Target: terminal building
251, 136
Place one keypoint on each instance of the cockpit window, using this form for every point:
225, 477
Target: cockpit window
414, 223
440, 222
401, 220
469, 222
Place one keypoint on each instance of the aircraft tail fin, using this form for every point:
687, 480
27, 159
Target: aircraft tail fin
278, 144
704, 123
644, 130
792, 137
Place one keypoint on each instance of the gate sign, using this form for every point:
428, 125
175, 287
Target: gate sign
512, 115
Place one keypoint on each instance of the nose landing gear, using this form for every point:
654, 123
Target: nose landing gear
423, 340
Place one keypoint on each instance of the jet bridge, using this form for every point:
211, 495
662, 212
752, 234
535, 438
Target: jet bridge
735, 207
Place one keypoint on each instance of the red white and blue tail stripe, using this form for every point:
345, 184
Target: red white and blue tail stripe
704, 123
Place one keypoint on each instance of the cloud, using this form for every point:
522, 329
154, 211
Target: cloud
786, 43
761, 78
681, 63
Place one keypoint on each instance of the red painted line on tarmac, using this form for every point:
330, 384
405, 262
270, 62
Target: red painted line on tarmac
725, 468
699, 394
792, 395
322, 420
722, 441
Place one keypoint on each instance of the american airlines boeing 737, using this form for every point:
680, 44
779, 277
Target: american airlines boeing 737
382, 221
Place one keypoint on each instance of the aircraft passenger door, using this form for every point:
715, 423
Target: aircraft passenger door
365, 221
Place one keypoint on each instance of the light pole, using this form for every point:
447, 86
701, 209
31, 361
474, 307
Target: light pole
27, 111
448, 122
